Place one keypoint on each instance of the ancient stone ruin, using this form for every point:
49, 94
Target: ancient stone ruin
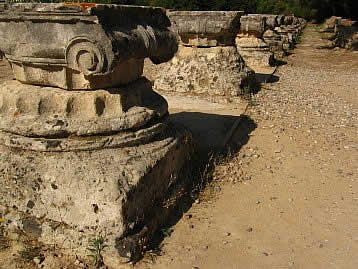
207, 62
263, 36
341, 33
219, 51
85, 147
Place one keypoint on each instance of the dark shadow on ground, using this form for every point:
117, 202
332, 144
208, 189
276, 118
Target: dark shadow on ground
279, 62
198, 173
266, 78
209, 130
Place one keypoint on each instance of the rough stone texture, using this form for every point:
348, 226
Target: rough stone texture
69, 197
206, 71
273, 40
253, 25
95, 47
282, 37
254, 51
79, 164
344, 33
206, 28
207, 62
262, 35
270, 20
29, 110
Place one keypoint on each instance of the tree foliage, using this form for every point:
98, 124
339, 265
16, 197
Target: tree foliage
309, 9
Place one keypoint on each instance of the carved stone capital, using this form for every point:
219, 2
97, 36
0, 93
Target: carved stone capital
206, 28
88, 46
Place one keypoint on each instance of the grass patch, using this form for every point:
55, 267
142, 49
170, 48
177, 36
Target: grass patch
4, 241
327, 36
29, 253
96, 247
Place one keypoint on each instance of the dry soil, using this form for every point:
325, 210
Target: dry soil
289, 197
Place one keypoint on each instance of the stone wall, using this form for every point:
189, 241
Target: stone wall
263, 36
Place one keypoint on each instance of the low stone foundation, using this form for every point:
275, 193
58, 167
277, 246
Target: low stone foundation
206, 71
67, 198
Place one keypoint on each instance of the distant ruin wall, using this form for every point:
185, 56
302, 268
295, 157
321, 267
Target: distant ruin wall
218, 50
343, 33
263, 35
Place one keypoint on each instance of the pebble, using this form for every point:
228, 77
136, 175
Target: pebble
37, 260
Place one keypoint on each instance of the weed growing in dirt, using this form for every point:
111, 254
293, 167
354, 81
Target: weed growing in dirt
250, 98
29, 253
167, 232
4, 241
96, 247
298, 40
328, 36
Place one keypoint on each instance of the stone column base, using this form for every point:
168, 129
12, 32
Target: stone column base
213, 71
67, 198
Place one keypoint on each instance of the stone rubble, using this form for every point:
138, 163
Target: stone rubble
343, 33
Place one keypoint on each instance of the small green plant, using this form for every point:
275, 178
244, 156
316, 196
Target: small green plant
29, 253
96, 247
250, 98
167, 232
4, 241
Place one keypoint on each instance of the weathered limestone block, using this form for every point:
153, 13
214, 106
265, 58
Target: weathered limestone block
206, 28
207, 61
344, 33
207, 71
288, 20
279, 32
29, 110
98, 47
253, 25
100, 160
280, 20
286, 37
67, 198
271, 21
273, 39
254, 51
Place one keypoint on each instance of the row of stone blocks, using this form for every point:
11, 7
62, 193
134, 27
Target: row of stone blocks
219, 49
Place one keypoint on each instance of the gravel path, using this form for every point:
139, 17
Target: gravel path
289, 197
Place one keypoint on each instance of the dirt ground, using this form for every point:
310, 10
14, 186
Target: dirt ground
287, 196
